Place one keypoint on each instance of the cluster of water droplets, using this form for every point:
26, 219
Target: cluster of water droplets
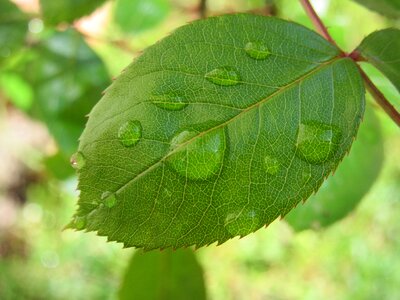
199, 155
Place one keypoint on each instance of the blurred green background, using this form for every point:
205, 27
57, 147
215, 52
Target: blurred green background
356, 258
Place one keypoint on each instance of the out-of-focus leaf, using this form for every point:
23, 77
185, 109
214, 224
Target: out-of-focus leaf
67, 78
216, 131
16, 89
59, 166
388, 8
382, 49
341, 192
13, 28
163, 275
138, 15
57, 11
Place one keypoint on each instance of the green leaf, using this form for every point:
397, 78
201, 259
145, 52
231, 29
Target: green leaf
235, 156
67, 78
13, 28
382, 49
58, 11
388, 8
163, 275
138, 15
341, 192
16, 89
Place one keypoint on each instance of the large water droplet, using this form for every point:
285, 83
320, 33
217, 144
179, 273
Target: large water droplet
169, 101
242, 222
199, 158
271, 165
223, 76
317, 142
257, 50
109, 199
130, 133
78, 160
79, 222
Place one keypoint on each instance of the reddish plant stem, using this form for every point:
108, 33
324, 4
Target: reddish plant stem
380, 98
356, 56
203, 9
319, 25
121, 44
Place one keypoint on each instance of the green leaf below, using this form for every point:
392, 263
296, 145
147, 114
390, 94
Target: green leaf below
163, 275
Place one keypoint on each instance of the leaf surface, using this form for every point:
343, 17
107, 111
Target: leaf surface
67, 78
13, 28
388, 8
341, 192
216, 131
58, 11
382, 49
163, 275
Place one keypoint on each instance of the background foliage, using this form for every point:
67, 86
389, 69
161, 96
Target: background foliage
49, 85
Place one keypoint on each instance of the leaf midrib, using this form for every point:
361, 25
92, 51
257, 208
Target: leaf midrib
249, 108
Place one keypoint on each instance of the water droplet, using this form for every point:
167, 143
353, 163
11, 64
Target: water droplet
79, 222
109, 199
317, 142
305, 175
199, 158
78, 160
169, 101
271, 165
130, 133
223, 76
257, 50
242, 222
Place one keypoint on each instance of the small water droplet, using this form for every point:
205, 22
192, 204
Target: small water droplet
130, 133
80, 222
257, 50
223, 76
317, 142
200, 158
271, 165
242, 222
78, 160
170, 101
305, 175
109, 199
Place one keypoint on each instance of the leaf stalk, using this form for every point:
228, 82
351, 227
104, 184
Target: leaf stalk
380, 98
203, 9
316, 20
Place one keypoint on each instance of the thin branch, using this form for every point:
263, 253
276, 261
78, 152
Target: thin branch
203, 9
319, 25
121, 44
380, 98
270, 8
